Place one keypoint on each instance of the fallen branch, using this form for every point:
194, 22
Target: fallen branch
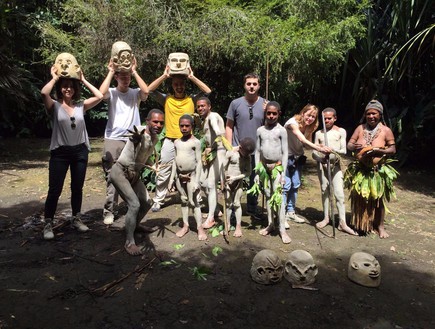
103, 289
83, 257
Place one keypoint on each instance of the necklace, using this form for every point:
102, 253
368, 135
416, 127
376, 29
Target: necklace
370, 135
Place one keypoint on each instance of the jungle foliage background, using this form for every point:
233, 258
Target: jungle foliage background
338, 53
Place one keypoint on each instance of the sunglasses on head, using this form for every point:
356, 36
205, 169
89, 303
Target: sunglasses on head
73, 123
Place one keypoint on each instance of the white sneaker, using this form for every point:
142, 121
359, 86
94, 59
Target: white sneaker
155, 207
292, 216
77, 223
108, 218
48, 232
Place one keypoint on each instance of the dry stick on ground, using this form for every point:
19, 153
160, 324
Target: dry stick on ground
83, 257
103, 289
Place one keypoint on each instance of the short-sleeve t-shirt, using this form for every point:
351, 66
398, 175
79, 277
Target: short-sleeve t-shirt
295, 146
245, 124
123, 113
174, 108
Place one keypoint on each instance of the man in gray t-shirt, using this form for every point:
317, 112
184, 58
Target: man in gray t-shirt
246, 114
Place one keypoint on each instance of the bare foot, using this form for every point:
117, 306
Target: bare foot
344, 228
238, 232
201, 234
267, 230
382, 232
209, 223
285, 237
183, 231
220, 214
323, 223
132, 249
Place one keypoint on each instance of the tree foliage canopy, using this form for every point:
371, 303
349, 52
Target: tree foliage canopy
338, 53
304, 41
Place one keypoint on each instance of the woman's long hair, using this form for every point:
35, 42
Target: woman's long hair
308, 130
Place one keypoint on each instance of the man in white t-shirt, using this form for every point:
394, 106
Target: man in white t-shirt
123, 114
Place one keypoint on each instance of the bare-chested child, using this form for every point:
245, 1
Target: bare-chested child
125, 175
237, 167
336, 140
186, 171
373, 141
272, 153
213, 156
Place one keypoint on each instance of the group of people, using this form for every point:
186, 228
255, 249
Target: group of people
252, 143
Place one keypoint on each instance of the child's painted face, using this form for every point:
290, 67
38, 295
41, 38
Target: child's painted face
330, 119
272, 115
185, 127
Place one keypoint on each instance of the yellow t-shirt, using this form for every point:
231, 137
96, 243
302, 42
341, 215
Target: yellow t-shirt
174, 109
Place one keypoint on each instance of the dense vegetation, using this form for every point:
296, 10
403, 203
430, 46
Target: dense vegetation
338, 53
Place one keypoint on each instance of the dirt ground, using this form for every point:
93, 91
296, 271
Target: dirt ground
88, 281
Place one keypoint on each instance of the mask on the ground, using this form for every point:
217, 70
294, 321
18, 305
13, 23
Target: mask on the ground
364, 269
300, 269
266, 267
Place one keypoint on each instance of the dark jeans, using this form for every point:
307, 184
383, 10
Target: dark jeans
76, 158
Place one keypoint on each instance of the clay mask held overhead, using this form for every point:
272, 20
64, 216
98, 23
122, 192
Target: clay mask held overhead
178, 63
67, 66
122, 56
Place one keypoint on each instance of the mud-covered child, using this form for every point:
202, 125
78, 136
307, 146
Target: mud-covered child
237, 167
186, 171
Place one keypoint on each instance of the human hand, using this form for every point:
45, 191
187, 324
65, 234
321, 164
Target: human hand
265, 104
257, 179
134, 65
354, 147
229, 180
82, 76
166, 72
53, 72
110, 66
325, 149
190, 75
195, 187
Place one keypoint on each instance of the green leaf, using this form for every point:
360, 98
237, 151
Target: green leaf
200, 273
178, 246
216, 250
